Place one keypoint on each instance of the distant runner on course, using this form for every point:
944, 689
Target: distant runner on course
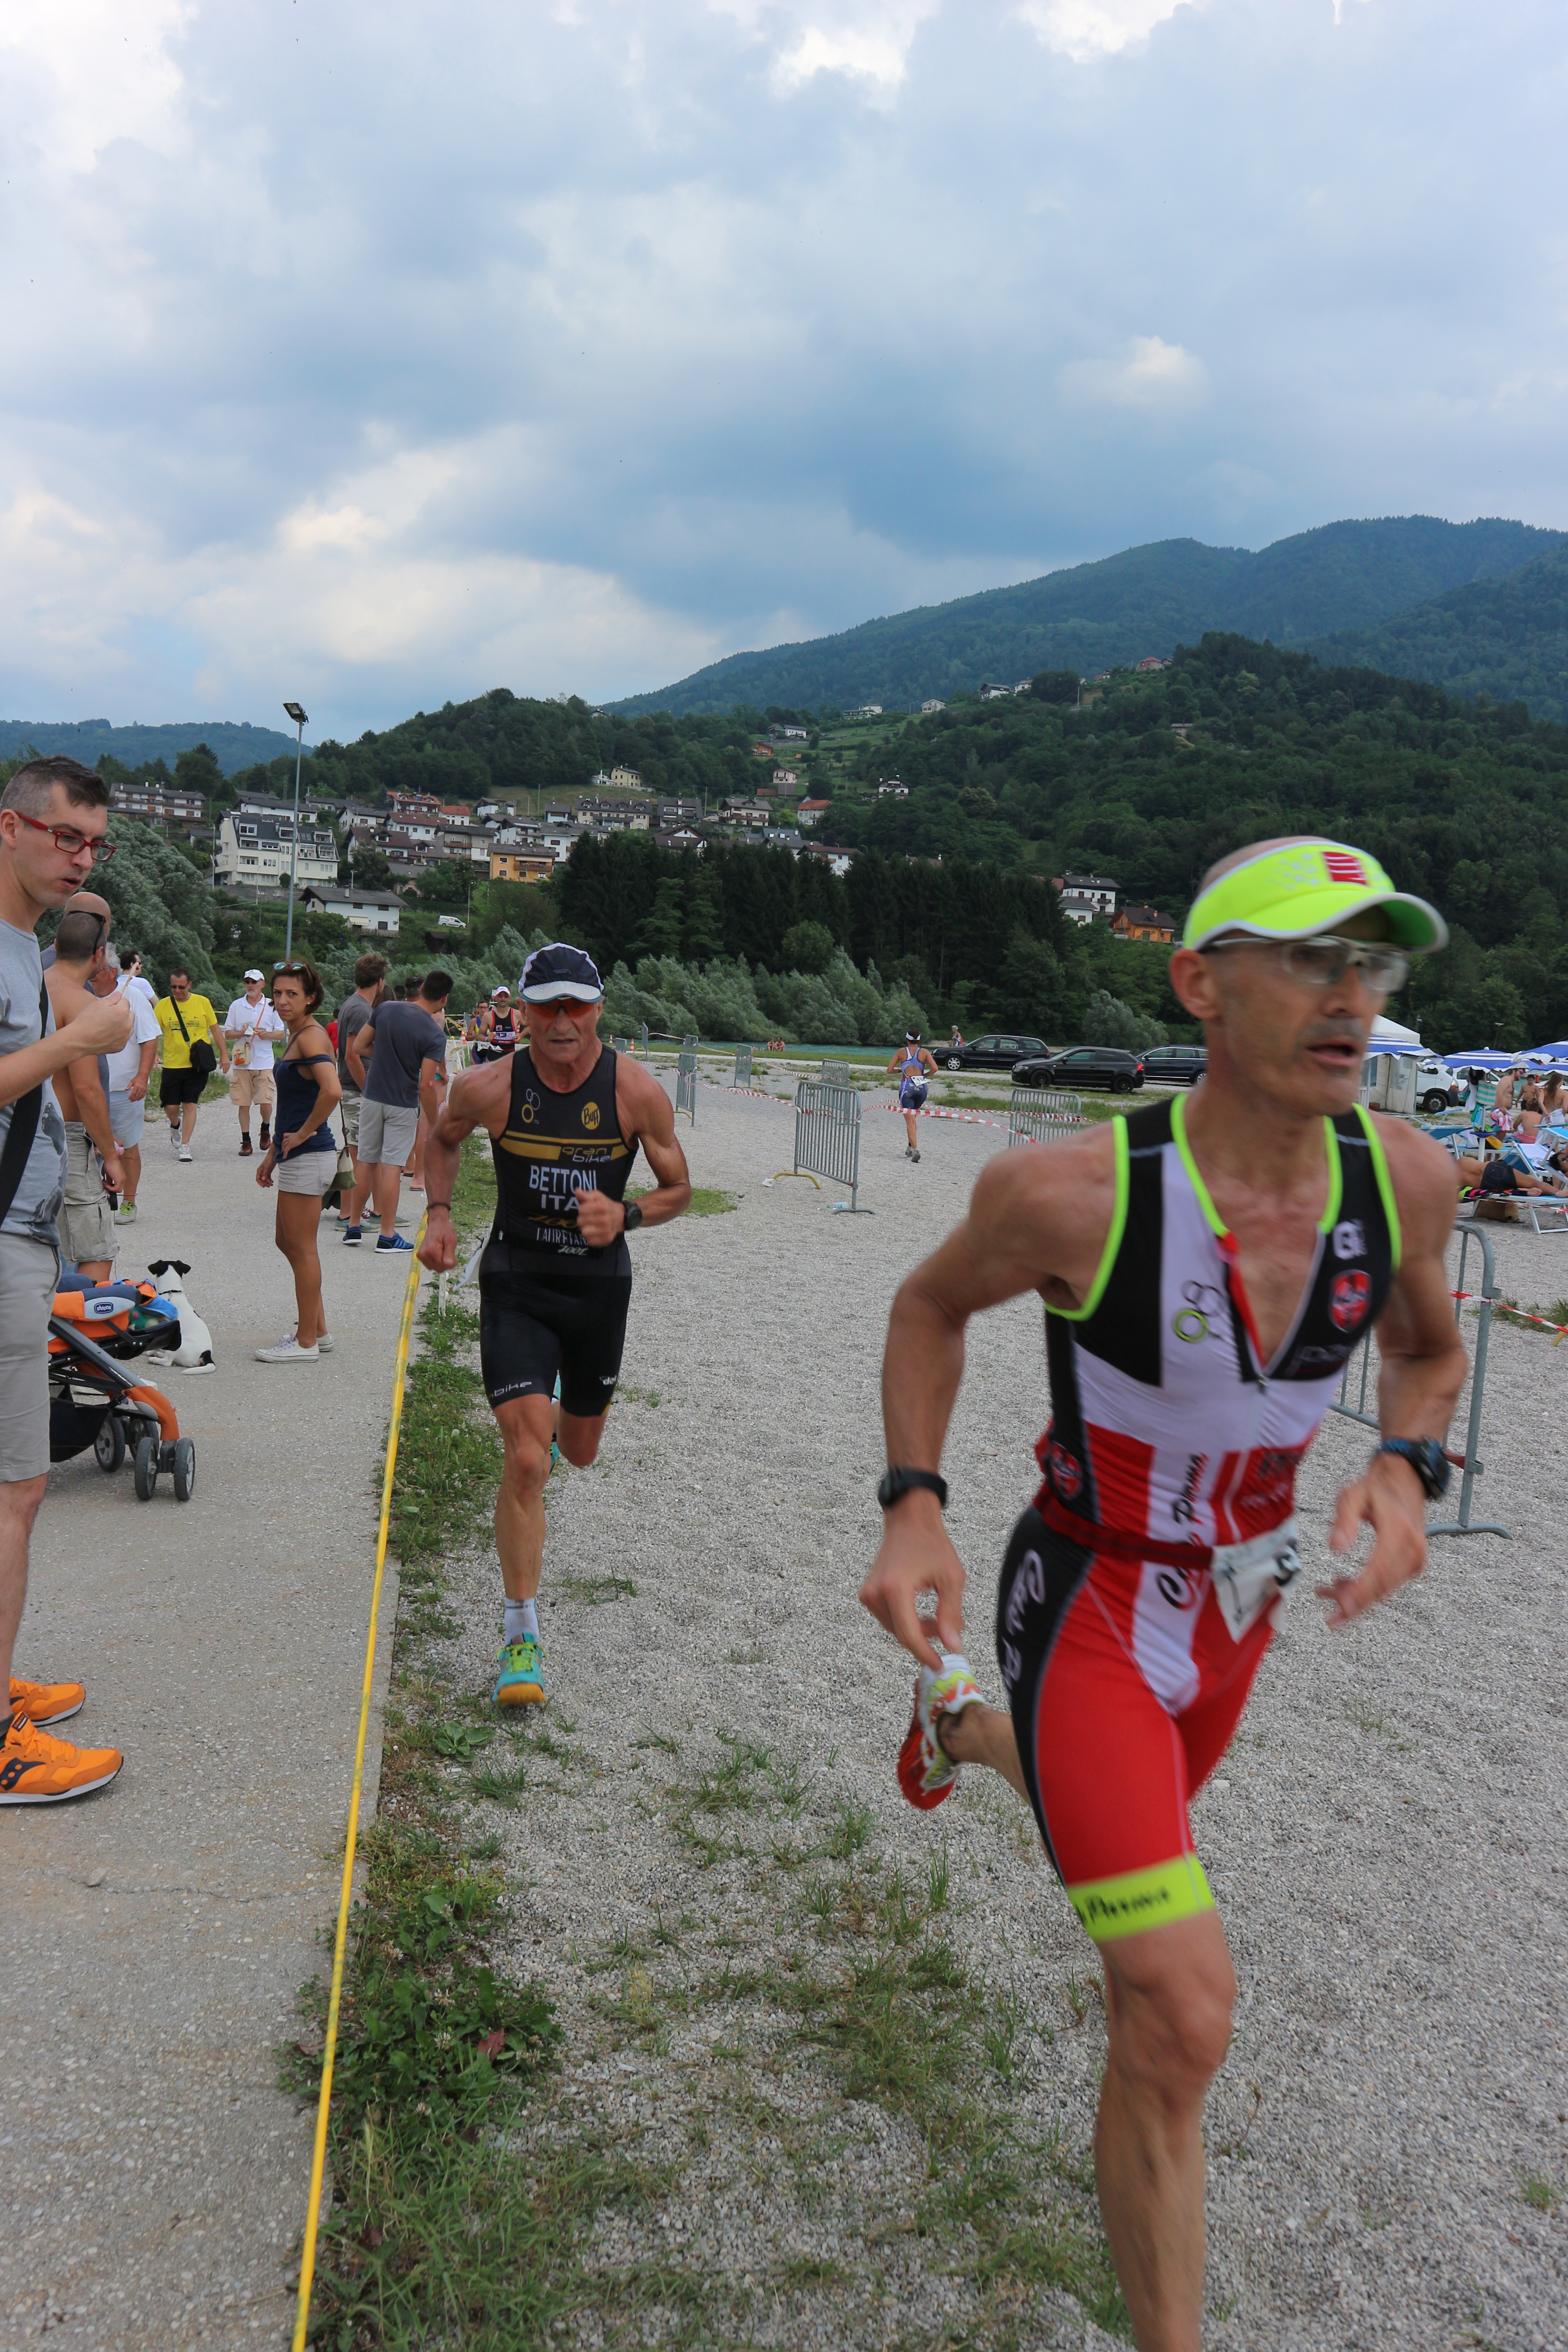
911, 1061
1207, 1266
565, 1115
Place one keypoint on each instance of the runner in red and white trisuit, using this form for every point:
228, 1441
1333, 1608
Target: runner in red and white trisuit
1207, 1267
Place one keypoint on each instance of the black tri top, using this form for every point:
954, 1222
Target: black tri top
553, 1147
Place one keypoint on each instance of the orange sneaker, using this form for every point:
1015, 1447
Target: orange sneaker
44, 1703
38, 1771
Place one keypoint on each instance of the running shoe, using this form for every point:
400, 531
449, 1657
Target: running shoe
38, 1771
183, 1151
44, 1703
174, 1140
352, 1235
286, 1351
520, 1680
389, 1243
126, 1212
925, 1774
916, 1158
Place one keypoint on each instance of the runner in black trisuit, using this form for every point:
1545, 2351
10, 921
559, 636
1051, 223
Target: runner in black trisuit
565, 1115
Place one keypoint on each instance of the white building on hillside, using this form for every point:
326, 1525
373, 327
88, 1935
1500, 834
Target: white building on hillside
255, 849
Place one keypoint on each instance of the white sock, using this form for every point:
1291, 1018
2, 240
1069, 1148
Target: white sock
521, 1622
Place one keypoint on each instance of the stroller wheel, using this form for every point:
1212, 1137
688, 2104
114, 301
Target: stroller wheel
109, 1445
146, 1468
185, 1468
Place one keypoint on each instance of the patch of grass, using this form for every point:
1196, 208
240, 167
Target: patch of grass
1544, 2195
594, 1589
707, 1200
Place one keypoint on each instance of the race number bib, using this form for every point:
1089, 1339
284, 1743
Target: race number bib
1249, 1577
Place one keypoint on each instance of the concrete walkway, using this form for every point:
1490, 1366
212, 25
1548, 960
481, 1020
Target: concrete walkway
155, 1936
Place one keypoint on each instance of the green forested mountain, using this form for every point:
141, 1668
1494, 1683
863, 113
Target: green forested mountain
1507, 637
235, 746
1467, 802
1467, 805
1346, 575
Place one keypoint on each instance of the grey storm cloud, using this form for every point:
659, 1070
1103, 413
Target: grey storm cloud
379, 354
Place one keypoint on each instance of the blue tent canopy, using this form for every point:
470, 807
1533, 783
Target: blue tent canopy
1484, 1059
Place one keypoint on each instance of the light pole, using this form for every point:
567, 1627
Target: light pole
298, 716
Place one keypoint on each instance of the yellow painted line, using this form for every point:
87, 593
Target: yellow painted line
319, 2160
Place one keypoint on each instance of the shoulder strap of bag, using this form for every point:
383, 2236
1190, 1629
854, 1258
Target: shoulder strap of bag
176, 1002
23, 1127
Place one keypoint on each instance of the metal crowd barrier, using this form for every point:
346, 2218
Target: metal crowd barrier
1469, 1461
686, 1080
828, 1138
1042, 1117
743, 1076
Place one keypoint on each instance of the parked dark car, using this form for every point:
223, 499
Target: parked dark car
1077, 1066
994, 1053
1174, 1066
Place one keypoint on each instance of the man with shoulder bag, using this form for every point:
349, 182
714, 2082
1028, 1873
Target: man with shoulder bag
194, 1047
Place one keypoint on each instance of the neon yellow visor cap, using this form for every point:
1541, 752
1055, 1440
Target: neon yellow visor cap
1303, 886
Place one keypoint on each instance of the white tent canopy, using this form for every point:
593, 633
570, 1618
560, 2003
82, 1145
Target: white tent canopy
1388, 1037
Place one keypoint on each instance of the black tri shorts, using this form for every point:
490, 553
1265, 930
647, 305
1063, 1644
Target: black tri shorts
181, 1086
537, 1325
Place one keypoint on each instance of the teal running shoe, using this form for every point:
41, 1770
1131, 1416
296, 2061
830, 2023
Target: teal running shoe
520, 1680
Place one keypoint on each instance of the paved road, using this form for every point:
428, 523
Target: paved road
155, 1937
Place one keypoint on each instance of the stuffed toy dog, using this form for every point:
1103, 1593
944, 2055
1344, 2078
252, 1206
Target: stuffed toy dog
195, 1352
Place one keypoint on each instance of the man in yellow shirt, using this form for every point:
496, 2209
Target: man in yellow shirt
187, 1022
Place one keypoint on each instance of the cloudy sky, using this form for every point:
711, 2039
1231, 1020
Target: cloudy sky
381, 353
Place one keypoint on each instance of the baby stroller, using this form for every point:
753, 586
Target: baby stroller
92, 1332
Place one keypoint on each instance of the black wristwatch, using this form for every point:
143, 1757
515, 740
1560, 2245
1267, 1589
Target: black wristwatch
894, 1483
1426, 1458
632, 1211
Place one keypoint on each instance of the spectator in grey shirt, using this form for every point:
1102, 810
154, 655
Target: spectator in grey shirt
54, 818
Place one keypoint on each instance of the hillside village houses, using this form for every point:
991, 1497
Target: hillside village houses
376, 911
809, 811
157, 803
1084, 896
892, 788
1144, 923
934, 704
256, 844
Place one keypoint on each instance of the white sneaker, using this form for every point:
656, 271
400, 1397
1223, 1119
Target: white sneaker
324, 1345
127, 1212
286, 1351
173, 1139
926, 1773
183, 1152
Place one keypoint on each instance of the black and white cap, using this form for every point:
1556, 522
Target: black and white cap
560, 971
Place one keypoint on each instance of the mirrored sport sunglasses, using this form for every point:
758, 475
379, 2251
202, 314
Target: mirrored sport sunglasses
67, 839
1322, 962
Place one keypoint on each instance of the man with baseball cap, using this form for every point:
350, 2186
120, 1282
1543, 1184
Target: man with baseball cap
250, 1026
565, 1115
1207, 1266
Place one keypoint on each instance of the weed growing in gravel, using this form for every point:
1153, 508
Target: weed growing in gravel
1544, 2195
593, 1590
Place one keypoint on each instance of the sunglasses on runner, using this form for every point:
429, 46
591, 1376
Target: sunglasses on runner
1322, 962
67, 840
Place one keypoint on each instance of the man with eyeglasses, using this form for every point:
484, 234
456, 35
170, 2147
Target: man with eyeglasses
1207, 1266
54, 816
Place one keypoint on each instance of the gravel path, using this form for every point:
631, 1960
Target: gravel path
1385, 1839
